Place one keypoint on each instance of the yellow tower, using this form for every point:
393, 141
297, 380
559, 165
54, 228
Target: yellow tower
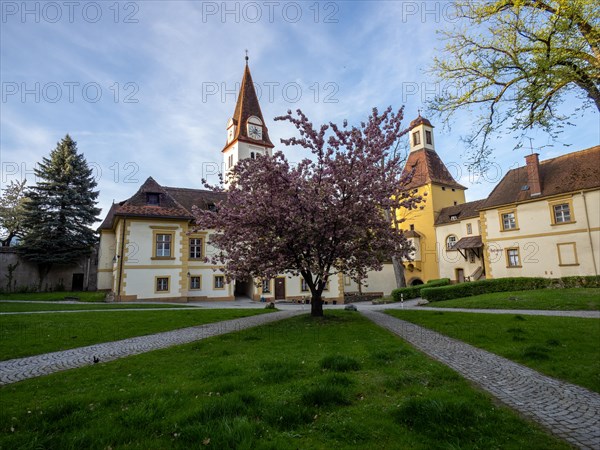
439, 189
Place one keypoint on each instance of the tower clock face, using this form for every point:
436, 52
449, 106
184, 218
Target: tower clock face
255, 132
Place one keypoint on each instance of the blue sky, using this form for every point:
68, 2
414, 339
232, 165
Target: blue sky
146, 88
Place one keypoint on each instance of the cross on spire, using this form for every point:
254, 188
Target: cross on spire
246, 56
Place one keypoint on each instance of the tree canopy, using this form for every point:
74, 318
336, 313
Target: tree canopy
12, 212
323, 216
514, 61
60, 209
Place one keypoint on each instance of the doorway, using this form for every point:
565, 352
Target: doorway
280, 288
77, 284
460, 275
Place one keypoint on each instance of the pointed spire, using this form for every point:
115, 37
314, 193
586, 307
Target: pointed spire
247, 106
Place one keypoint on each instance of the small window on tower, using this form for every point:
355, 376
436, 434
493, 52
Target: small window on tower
428, 137
252, 155
153, 199
416, 138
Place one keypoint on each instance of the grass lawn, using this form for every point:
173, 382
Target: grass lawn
561, 347
553, 299
341, 383
87, 296
26, 307
32, 334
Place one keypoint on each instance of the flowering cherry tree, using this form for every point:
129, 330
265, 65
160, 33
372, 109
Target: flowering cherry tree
323, 216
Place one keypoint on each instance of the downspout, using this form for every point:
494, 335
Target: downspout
121, 258
587, 222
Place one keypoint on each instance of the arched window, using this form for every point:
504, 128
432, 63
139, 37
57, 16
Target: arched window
451, 242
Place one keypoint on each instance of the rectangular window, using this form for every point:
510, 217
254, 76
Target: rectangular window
347, 280
469, 228
512, 257
195, 248
509, 221
303, 285
266, 286
428, 137
195, 282
163, 245
471, 257
562, 213
416, 138
451, 242
162, 284
219, 282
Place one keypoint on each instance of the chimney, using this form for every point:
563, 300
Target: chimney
533, 174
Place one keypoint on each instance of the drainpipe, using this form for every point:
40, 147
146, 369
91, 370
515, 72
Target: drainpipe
121, 258
589, 231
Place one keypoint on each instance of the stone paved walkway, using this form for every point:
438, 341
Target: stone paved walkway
14, 370
569, 411
525, 312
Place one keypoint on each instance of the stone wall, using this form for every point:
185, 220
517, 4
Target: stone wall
25, 275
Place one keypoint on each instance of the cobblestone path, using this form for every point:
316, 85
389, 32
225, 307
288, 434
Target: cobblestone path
567, 410
14, 370
526, 312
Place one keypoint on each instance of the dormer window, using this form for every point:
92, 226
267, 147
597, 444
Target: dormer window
453, 217
153, 199
212, 207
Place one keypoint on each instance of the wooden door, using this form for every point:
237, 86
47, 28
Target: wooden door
280, 288
460, 275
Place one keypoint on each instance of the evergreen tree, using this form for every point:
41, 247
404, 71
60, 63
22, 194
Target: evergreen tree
60, 210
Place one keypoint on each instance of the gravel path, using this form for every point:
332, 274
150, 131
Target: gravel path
567, 410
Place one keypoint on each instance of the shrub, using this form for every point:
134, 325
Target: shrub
415, 291
581, 282
436, 294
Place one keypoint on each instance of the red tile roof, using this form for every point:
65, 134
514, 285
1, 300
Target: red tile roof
174, 203
428, 168
567, 173
464, 211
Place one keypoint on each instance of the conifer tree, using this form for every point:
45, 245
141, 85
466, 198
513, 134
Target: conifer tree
60, 209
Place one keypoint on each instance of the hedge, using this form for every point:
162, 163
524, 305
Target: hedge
436, 294
415, 291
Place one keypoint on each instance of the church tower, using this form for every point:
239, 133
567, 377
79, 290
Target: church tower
247, 133
432, 180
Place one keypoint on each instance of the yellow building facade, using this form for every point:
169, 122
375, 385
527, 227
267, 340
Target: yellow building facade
434, 182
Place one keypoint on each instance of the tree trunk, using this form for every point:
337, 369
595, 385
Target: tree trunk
399, 272
316, 305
